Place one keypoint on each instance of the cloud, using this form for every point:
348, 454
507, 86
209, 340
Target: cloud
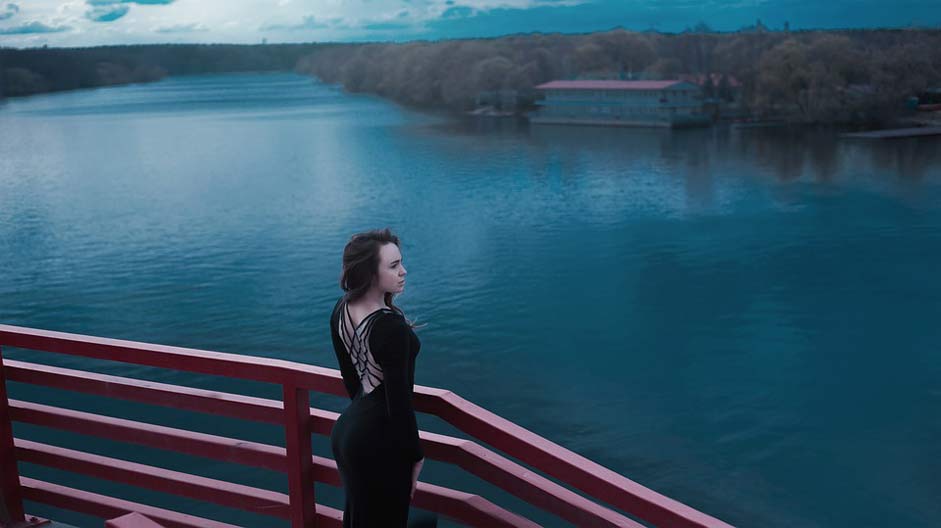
9, 11
111, 10
182, 28
138, 2
106, 13
386, 26
33, 27
457, 12
309, 22
490, 18
566, 16
101, 22
398, 20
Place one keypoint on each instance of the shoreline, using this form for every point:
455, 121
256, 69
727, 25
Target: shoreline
899, 122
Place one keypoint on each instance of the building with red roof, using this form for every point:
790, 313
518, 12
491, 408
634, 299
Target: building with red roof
670, 103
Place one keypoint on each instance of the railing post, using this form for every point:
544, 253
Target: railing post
299, 456
11, 499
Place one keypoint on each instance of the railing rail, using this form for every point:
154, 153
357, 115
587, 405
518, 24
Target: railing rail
296, 460
463, 453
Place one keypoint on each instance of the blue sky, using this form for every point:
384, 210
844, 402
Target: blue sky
25, 23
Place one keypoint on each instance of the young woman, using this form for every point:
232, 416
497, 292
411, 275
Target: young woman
375, 440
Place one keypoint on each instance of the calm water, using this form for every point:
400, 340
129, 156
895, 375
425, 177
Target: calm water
745, 321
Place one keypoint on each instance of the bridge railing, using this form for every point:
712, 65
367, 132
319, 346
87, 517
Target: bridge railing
295, 459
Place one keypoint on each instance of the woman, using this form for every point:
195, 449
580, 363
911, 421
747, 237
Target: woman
375, 440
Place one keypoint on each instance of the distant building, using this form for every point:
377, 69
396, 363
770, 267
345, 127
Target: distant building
621, 103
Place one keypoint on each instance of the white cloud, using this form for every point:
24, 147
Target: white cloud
8, 11
193, 27
33, 27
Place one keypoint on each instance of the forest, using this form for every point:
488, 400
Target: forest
37, 70
836, 76
808, 76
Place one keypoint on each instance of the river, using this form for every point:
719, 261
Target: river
746, 321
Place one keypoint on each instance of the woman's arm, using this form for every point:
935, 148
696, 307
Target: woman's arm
394, 355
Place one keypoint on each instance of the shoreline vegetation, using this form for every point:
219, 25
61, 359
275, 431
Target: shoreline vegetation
848, 77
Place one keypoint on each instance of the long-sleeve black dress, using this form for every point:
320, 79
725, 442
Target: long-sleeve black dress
375, 440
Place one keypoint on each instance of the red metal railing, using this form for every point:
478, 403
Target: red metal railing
295, 459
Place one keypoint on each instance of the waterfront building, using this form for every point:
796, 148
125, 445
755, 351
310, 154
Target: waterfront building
671, 103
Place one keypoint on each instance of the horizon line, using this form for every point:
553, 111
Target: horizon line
745, 30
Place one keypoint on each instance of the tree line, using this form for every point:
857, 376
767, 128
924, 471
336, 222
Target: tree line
38, 70
811, 76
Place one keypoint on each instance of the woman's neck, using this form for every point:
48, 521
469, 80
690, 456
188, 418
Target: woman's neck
372, 300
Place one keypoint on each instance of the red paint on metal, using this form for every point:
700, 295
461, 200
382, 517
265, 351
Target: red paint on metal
142, 391
192, 443
465, 453
109, 507
237, 366
523, 482
299, 463
11, 509
590, 477
229, 494
597, 481
465, 507
235, 495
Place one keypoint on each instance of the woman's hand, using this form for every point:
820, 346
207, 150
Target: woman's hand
415, 471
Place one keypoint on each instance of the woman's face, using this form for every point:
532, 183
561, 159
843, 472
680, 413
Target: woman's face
391, 275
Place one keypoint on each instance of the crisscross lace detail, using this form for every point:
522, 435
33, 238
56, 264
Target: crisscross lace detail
357, 345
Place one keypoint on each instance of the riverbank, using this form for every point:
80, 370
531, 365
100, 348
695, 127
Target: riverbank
776, 72
25, 72
895, 133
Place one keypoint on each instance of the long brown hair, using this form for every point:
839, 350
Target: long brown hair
361, 265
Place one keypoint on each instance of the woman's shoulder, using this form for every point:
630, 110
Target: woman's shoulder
389, 316
388, 321
336, 309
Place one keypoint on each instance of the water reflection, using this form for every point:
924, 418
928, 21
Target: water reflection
910, 159
615, 173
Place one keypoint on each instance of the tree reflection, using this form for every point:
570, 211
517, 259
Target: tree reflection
908, 159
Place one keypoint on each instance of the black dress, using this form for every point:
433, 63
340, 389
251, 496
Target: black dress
375, 440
